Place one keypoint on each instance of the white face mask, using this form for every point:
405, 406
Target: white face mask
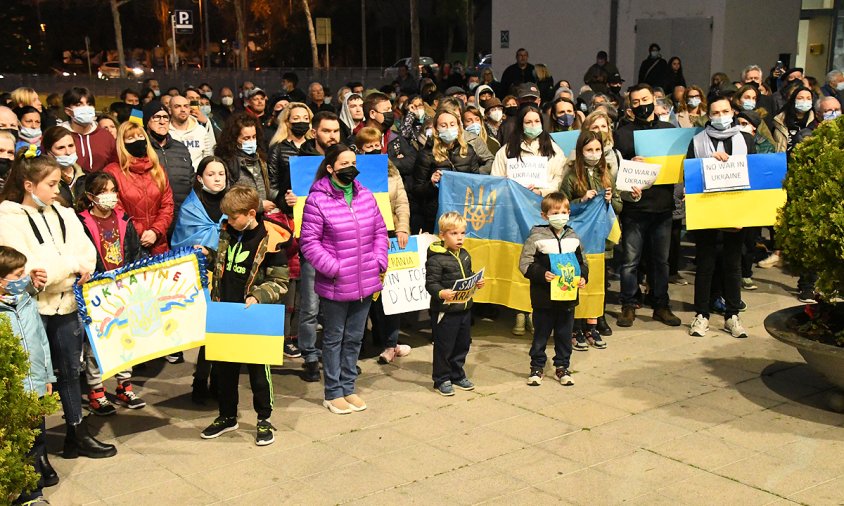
496, 115
157, 93
558, 221
591, 157
803, 105
722, 122
665, 117
84, 114
209, 94
30, 133
205, 109
107, 200
748, 129
227, 101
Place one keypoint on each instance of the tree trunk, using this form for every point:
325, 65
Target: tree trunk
363, 33
118, 34
312, 34
162, 14
240, 16
414, 38
470, 33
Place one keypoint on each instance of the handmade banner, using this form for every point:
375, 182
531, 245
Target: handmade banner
404, 284
595, 223
529, 171
145, 310
373, 176
753, 207
249, 335
464, 289
666, 147
500, 213
566, 270
566, 140
636, 174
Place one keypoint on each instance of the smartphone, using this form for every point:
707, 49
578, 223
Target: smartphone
780, 65
194, 104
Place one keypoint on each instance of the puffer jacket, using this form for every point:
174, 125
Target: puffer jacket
278, 169
347, 245
52, 239
442, 269
175, 158
149, 207
555, 164
26, 324
70, 191
534, 262
427, 195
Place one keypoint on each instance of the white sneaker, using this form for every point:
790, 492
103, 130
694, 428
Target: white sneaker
402, 350
699, 327
734, 327
773, 260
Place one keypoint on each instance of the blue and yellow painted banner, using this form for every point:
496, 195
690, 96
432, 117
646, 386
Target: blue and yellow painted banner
666, 147
499, 214
595, 223
249, 335
756, 207
566, 140
373, 176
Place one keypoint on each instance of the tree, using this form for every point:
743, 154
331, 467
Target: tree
414, 38
312, 34
118, 33
470, 33
240, 19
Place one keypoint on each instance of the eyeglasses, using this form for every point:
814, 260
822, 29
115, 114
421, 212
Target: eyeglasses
161, 118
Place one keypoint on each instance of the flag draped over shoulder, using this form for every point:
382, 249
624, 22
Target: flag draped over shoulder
595, 222
499, 214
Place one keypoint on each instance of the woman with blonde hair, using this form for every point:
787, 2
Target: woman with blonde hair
294, 129
691, 111
545, 82
144, 190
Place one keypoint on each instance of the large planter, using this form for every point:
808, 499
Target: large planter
823, 358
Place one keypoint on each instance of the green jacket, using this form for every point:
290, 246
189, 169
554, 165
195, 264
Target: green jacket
568, 187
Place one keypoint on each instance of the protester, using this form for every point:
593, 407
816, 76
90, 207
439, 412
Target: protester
173, 156
95, 147
29, 126
691, 112
240, 147
518, 73
563, 116
654, 69
109, 124
676, 78
58, 144
351, 115
185, 127
290, 139
599, 73
796, 115
473, 122
7, 155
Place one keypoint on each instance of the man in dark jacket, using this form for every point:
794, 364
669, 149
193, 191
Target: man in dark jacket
518, 73
655, 70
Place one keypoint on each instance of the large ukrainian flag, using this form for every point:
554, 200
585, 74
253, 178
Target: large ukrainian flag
595, 222
756, 207
373, 176
499, 214
666, 147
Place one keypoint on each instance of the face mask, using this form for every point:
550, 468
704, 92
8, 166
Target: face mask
38, 202
447, 135
565, 120
84, 114
532, 132
591, 158
249, 147
300, 128
803, 105
748, 105
496, 115
420, 115
388, 120
428, 133
511, 111
372, 152
209, 190
347, 175
30, 133
107, 200
158, 137
157, 93
693, 102
748, 129
17, 286
472, 86
245, 227
840, 86
205, 109
831, 115
5, 167
208, 94
474, 128
67, 160
722, 123
665, 117
558, 221
654, 54
643, 112
227, 101
137, 148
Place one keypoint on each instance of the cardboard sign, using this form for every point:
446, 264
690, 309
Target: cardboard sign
529, 170
404, 284
725, 176
636, 174
465, 288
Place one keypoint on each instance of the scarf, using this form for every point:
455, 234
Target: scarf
139, 165
704, 147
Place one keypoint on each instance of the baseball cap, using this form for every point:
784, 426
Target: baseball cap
528, 90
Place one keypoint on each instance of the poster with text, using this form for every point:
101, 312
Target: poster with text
404, 284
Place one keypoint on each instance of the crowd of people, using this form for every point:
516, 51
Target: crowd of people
87, 190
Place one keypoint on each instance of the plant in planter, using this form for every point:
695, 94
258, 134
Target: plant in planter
20, 412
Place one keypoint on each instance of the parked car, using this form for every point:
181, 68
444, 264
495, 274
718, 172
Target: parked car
392, 71
111, 70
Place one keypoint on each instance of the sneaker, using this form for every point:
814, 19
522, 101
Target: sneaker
564, 376
445, 388
699, 326
402, 350
579, 343
677, 279
264, 436
593, 337
772, 261
628, 315
387, 355
311, 372
603, 327
734, 327
748, 284
175, 358
291, 350
99, 404
35, 502
519, 327
220, 426
665, 316
464, 384
742, 306
355, 402
535, 378
338, 406
719, 306
529, 323
807, 297
126, 396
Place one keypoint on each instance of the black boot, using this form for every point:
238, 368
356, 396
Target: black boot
79, 441
311, 372
48, 474
603, 327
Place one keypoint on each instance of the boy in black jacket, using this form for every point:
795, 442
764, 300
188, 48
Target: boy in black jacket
551, 315
450, 322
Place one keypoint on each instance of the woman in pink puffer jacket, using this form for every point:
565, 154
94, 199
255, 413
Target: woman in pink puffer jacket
345, 239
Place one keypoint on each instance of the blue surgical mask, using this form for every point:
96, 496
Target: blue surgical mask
532, 132
803, 105
249, 147
447, 135
67, 160
205, 109
84, 114
748, 105
565, 120
38, 202
17, 286
474, 128
693, 102
420, 115
831, 115
722, 123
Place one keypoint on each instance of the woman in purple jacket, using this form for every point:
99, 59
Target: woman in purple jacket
345, 239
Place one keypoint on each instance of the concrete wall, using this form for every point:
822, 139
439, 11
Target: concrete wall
759, 30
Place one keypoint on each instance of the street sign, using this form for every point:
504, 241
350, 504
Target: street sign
323, 30
183, 21
505, 39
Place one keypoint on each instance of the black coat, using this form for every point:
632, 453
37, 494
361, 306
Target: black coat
175, 158
658, 198
278, 168
424, 190
656, 73
442, 269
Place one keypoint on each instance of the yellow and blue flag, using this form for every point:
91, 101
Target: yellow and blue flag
499, 214
756, 207
595, 223
666, 147
137, 117
373, 176
566, 140
253, 335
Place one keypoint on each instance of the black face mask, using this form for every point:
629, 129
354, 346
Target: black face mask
615, 89
347, 175
300, 128
643, 112
388, 120
372, 152
511, 111
158, 137
5, 167
137, 148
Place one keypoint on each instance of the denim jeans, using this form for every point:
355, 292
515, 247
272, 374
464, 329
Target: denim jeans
65, 335
727, 274
546, 321
637, 230
341, 340
308, 313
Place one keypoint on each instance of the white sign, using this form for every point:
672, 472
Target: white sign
725, 176
636, 174
464, 289
183, 21
404, 284
529, 170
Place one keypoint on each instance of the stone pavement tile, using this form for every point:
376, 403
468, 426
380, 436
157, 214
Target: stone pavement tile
288, 492
307, 460
811, 454
178, 491
649, 467
114, 477
777, 389
641, 430
710, 371
481, 411
703, 488
478, 444
371, 441
353, 481
430, 425
631, 399
779, 476
527, 495
417, 492
234, 479
583, 412
591, 486
418, 462
531, 465
588, 448
828, 492
703, 450
172, 433
532, 429
675, 386
535, 399
474, 484
205, 455
71, 467
735, 403
73, 490
687, 416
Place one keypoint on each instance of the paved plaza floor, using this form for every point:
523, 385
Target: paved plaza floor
656, 418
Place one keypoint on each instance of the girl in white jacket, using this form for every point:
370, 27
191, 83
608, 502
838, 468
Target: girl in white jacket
52, 239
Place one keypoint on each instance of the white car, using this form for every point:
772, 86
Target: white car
111, 70
392, 71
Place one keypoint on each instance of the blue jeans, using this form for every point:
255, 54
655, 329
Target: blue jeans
65, 335
308, 313
636, 229
341, 340
546, 321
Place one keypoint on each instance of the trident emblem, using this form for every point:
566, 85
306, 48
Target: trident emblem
479, 213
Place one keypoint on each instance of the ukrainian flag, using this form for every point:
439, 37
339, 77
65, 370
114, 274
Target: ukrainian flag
253, 335
566, 140
137, 117
756, 207
373, 176
499, 214
666, 147
595, 223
